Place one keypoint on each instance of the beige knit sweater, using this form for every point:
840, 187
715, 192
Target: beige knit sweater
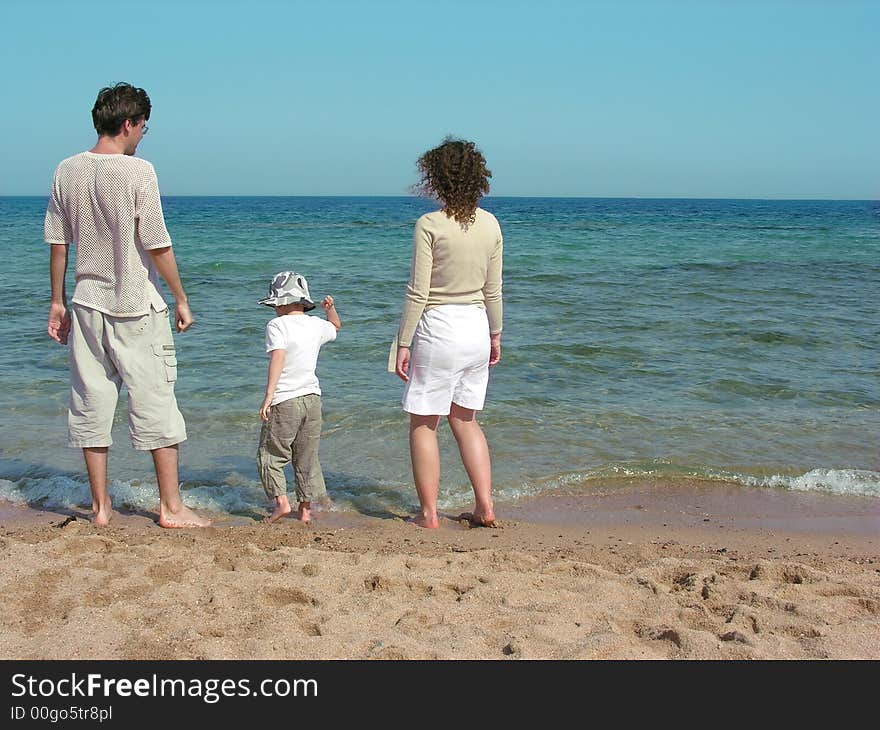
453, 264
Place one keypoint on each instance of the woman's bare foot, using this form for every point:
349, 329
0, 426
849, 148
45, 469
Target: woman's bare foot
282, 508
429, 522
478, 519
183, 517
304, 512
102, 513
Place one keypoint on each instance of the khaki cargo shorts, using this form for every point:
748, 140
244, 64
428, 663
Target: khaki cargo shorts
107, 352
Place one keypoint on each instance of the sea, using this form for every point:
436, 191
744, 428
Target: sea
729, 341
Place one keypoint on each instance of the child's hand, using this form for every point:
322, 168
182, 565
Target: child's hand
330, 311
266, 407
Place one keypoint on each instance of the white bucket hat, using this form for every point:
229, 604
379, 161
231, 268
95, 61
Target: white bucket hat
288, 287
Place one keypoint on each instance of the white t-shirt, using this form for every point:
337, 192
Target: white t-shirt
108, 206
302, 336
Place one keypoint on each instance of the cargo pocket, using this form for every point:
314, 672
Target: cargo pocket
169, 361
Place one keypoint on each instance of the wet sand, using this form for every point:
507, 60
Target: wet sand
646, 570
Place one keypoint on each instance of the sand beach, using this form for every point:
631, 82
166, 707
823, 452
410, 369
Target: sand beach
649, 571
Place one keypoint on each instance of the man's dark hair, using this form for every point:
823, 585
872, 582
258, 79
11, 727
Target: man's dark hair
117, 103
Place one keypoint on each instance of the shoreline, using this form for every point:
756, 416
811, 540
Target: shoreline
646, 572
695, 504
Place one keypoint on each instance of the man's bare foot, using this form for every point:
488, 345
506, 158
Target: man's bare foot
477, 519
282, 508
428, 522
103, 513
304, 512
184, 517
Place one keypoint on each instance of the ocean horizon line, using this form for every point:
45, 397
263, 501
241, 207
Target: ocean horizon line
495, 197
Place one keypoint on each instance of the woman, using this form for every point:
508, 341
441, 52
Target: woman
450, 331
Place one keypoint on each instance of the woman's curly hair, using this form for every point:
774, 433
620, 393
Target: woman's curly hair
456, 174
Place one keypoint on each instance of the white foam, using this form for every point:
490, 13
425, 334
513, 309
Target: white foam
65, 491
857, 482
62, 491
837, 481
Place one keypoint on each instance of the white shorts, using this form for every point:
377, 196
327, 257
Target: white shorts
449, 361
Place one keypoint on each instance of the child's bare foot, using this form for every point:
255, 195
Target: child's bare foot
102, 513
304, 512
282, 508
183, 517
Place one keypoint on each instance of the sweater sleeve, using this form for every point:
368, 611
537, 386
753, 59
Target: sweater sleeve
419, 283
492, 287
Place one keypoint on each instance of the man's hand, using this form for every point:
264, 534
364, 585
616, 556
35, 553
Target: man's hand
166, 265
184, 316
403, 363
58, 327
494, 349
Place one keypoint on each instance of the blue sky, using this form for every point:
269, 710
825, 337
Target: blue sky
644, 99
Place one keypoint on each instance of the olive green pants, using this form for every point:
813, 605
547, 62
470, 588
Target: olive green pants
292, 434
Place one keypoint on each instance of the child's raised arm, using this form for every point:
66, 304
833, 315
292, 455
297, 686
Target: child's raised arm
332, 314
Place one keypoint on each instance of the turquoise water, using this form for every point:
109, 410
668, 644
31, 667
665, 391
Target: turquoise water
734, 340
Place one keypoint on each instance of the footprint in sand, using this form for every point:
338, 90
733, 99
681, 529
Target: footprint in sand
280, 597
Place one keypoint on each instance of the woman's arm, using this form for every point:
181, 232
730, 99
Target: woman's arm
492, 296
419, 284
492, 287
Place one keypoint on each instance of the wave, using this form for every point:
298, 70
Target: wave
847, 481
234, 495
69, 492
836, 481
245, 497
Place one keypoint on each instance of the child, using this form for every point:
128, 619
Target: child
291, 410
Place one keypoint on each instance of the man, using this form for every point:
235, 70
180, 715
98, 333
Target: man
106, 201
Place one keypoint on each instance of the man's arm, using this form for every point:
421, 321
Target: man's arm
166, 265
58, 327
